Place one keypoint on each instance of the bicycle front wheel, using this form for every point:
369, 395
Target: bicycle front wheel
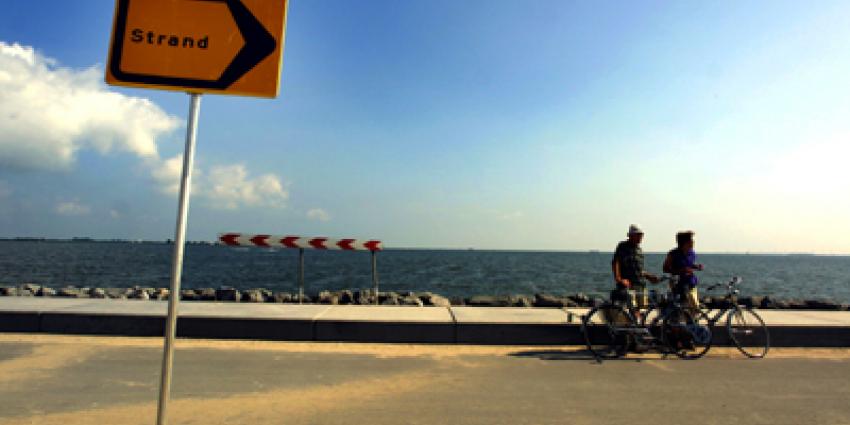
601, 331
748, 332
687, 334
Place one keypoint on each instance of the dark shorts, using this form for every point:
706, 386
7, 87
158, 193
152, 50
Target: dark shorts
637, 296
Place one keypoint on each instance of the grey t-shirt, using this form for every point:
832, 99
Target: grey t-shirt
630, 257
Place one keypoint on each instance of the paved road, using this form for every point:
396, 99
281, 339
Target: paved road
87, 380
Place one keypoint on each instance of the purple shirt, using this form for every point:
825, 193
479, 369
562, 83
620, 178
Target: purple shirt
682, 260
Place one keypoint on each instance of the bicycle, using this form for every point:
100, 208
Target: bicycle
744, 326
670, 307
610, 328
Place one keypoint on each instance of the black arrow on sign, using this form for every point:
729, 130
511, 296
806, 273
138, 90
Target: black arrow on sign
259, 44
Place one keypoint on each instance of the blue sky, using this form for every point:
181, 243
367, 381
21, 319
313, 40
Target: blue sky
487, 124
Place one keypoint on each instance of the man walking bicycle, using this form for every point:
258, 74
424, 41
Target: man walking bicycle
629, 273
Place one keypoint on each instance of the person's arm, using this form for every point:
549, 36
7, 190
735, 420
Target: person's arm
651, 277
694, 265
615, 267
668, 264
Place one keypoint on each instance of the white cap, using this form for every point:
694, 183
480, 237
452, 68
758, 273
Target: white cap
634, 229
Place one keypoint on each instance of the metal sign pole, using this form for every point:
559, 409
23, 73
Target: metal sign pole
177, 260
300, 275
375, 275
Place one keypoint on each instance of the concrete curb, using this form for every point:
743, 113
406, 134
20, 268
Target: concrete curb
443, 325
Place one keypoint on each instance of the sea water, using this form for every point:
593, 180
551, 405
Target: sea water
446, 272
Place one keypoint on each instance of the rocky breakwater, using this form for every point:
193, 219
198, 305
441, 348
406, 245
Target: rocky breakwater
366, 297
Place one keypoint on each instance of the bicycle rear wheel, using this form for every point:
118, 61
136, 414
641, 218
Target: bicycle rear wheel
600, 327
748, 332
687, 334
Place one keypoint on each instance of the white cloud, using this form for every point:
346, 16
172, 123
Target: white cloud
223, 187
50, 113
167, 174
228, 187
318, 214
114, 214
72, 208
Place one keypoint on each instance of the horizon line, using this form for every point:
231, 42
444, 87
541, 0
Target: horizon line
403, 248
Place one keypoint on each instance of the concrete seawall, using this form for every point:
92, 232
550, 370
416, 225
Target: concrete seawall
293, 322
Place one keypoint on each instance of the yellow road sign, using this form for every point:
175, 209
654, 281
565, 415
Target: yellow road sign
199, 46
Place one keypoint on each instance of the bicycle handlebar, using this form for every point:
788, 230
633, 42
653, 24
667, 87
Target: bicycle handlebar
736, 280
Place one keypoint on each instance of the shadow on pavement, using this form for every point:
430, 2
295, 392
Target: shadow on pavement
556, 354
569, 355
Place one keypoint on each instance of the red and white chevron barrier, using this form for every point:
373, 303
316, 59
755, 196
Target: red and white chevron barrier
273, 241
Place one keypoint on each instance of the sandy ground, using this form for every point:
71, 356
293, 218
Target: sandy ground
378, 350
69, 380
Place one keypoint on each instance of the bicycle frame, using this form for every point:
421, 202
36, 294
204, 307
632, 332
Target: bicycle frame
641, 330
